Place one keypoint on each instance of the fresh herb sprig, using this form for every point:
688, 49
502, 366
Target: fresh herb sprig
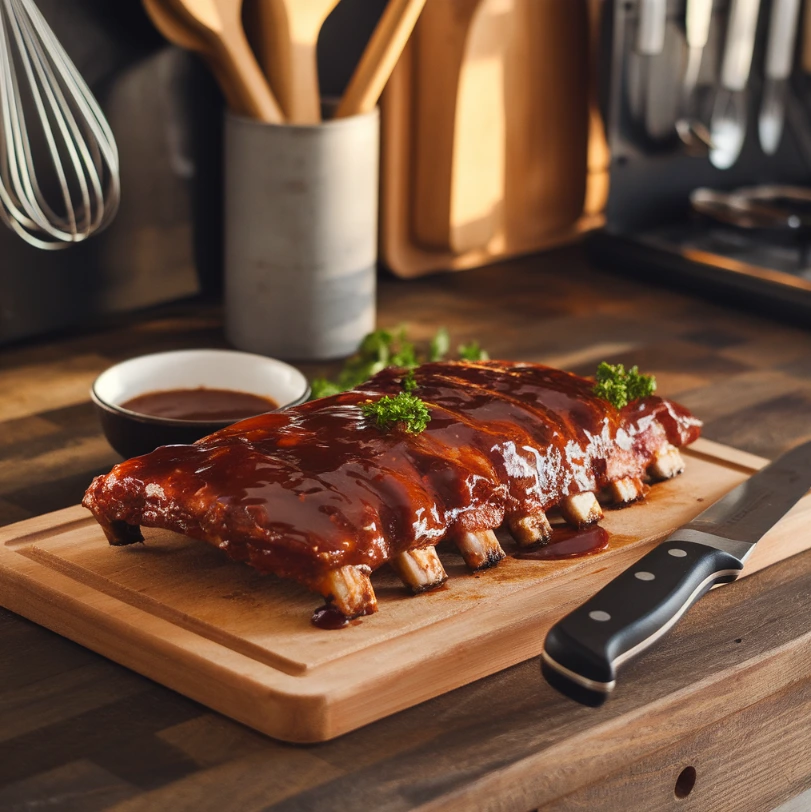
621, 387
385, 348
404, 410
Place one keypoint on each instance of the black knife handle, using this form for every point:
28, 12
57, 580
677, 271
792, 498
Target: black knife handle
581, 652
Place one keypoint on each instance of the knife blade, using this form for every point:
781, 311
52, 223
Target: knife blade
583, 650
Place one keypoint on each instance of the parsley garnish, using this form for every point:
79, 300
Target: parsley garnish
619, 387
384, 348
409, 382
472, 352
405, 410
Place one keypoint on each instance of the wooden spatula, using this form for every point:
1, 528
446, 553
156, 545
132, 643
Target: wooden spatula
459, 119
380, 56
284, 34
218, 24
177, 32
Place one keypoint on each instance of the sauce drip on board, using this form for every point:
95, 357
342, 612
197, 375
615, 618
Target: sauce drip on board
568, 543
328, 617
201, 403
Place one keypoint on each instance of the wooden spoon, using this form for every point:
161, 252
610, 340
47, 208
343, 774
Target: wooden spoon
379, 57
218, 23
178, 33
284, 34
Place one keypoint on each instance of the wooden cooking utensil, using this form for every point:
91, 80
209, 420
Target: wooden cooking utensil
215, 26
284, 35
460, 124
380, 56
165, 20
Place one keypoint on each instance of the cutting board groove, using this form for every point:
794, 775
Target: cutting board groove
179, 612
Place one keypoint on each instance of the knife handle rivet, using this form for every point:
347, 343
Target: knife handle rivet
677, 553
599, 615
644, 576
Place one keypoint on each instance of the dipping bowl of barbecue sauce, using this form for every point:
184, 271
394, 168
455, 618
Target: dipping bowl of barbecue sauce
178, 397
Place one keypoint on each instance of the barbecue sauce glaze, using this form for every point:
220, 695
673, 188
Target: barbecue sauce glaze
317, 486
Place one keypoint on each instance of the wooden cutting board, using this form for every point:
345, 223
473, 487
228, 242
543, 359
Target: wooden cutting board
177, 611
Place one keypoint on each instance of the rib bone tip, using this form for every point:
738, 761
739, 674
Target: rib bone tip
529, 528
666, 464
420, 569
350, 590
480, 549
581, 509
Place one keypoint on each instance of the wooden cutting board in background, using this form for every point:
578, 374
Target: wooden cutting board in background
177, 611
492, 143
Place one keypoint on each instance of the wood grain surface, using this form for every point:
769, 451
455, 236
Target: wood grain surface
728, 693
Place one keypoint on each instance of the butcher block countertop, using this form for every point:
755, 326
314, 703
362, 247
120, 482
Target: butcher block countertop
717, 717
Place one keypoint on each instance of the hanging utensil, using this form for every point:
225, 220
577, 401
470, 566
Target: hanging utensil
284, 34
214, 29
379, 57
728, 121
779, 58
650, 42
83, 152
691, 130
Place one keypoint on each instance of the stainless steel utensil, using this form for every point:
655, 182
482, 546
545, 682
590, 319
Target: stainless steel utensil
779, 57
82, 148
692, 132
728, 121
650, 42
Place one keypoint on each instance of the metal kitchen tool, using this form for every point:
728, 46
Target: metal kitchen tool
728, 121
214, 29
650, 42
779, 58
83, 184
582, 652
284, 34
691, 130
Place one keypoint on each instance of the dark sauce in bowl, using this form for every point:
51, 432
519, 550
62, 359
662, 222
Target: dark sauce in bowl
201, 403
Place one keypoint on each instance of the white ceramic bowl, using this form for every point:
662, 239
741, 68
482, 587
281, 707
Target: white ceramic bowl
131, 433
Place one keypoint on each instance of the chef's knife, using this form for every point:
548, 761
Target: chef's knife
779, 58
582, 652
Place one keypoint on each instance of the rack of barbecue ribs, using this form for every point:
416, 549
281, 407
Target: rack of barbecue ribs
320, 494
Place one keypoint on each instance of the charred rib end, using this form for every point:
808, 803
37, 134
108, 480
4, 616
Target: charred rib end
120, 533
529, 528
350, 590
667, 464
625, 491
480, 549
581, 509
420, 569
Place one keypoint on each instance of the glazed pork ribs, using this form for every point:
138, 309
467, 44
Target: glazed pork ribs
320, 494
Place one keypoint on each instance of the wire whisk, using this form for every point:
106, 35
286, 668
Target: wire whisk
44, 101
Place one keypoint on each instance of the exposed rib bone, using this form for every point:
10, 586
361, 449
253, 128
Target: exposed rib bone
581, 509
480, 550
667, 464
350, 591
530, 528
420, 570
625, 491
